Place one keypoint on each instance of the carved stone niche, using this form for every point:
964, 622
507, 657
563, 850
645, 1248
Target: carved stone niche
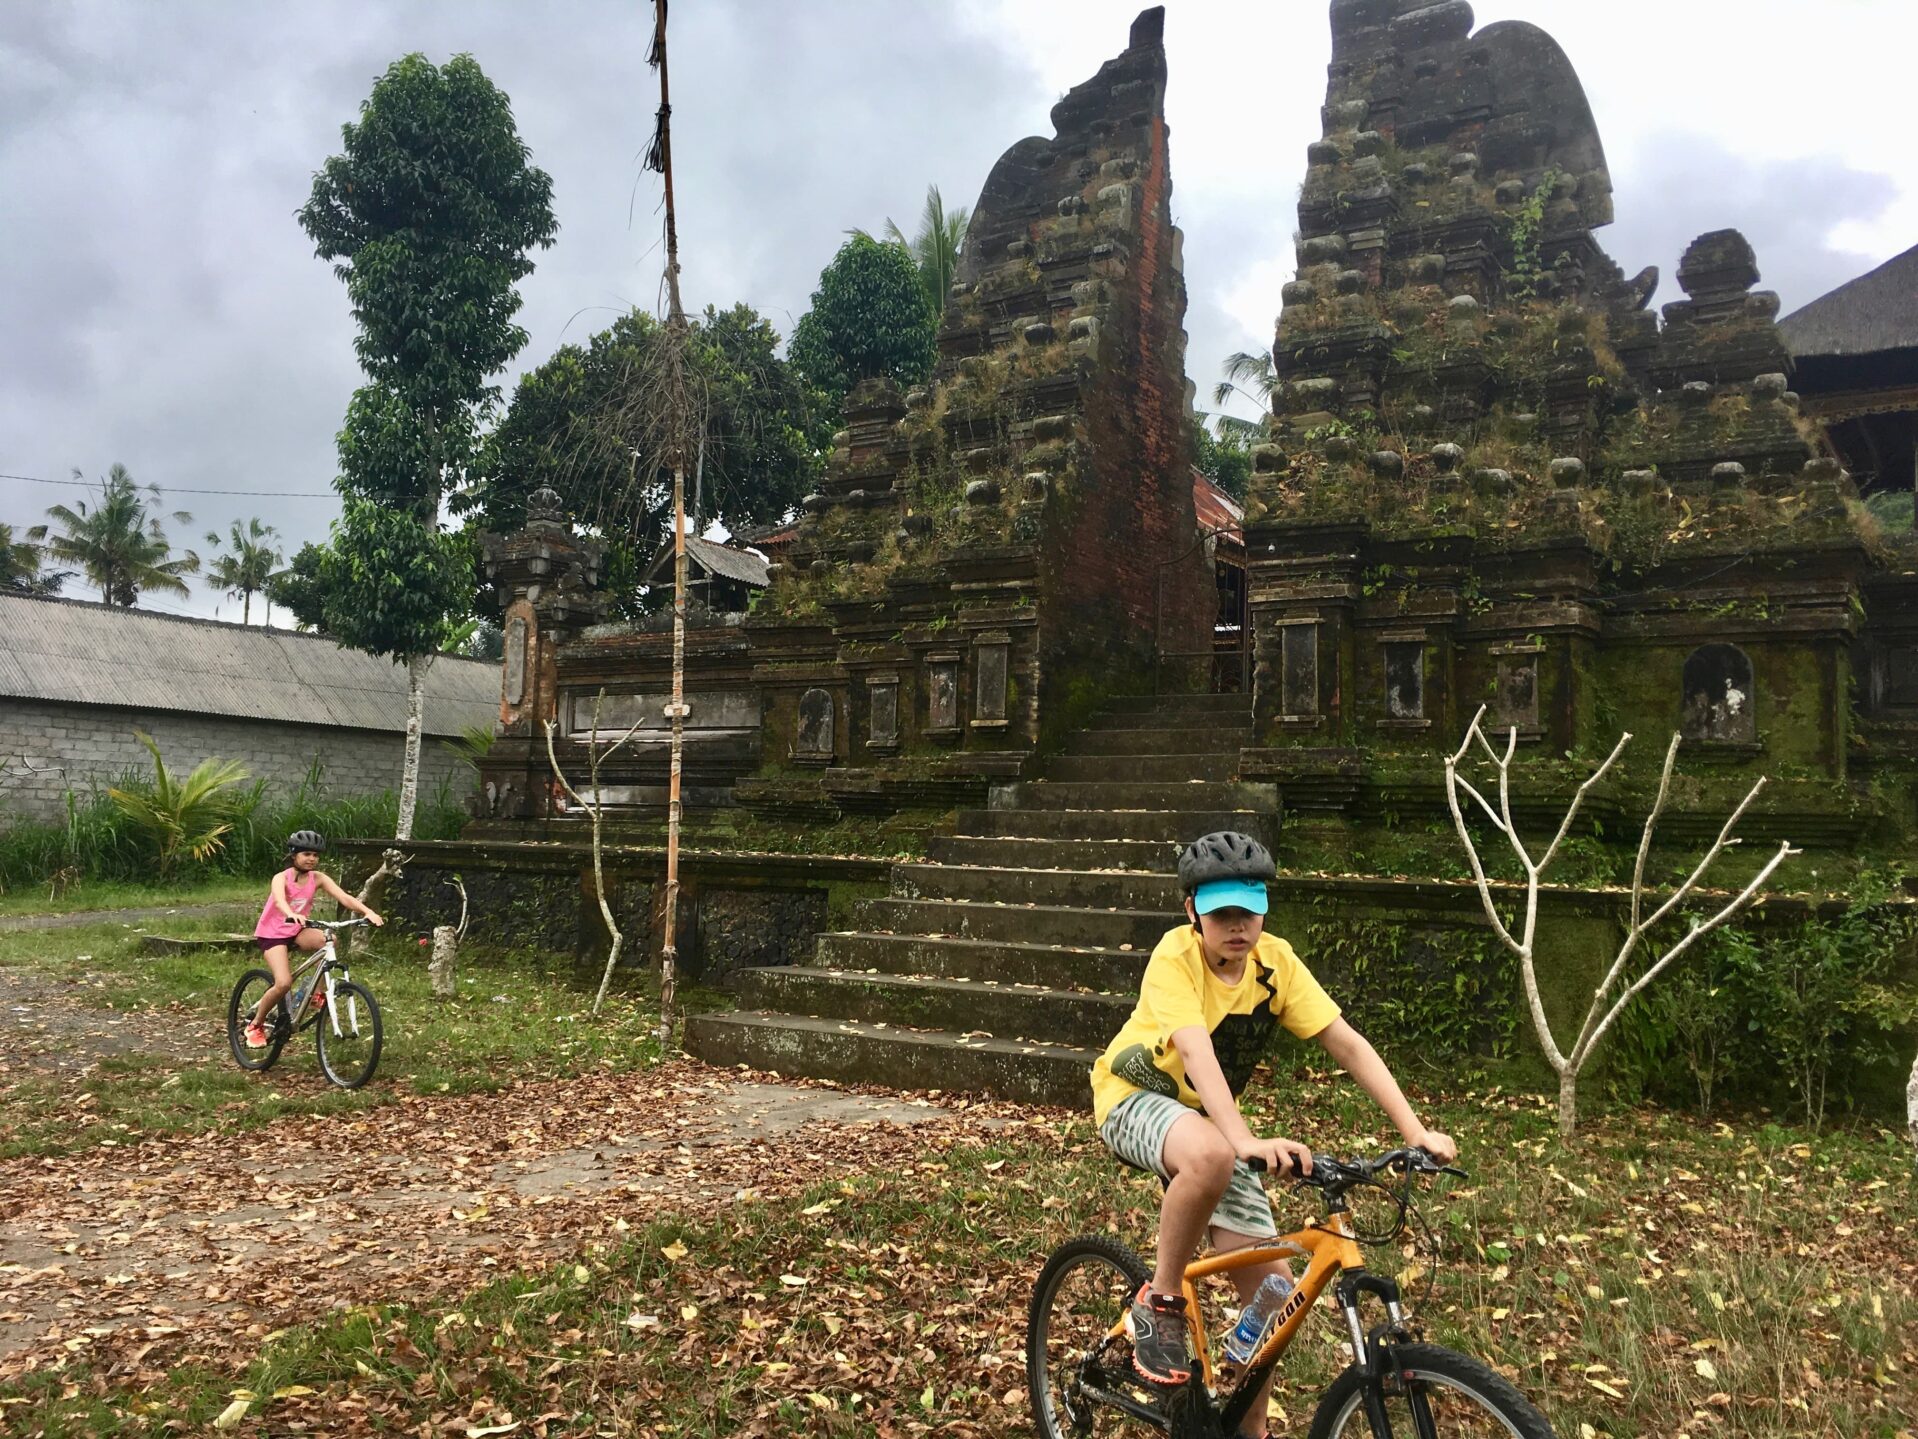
1405, 681
991, 662
942, 696
813, 742
515, 661
1515, 691
1299, 670
1718, 706
882, 712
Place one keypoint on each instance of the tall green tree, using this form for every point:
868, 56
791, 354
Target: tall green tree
118, 543
23, 566
868, 319
586, 424
251, 559
1225, 459
934, 249
428, 214
1247, 377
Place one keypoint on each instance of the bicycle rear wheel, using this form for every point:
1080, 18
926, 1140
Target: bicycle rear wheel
239, 1012
348, 1034
1083, 1290
1466, 1399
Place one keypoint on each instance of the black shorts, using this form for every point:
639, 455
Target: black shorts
287, 943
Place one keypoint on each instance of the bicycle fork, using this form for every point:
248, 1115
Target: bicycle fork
1372, 1352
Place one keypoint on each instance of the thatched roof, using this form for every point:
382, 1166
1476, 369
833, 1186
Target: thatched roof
1877, 311
79, 653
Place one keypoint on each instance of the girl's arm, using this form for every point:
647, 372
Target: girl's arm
1355, 1055
278, 894
345, 900
1202, 1072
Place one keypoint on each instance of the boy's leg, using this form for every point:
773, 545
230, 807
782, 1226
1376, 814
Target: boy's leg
1198, 1165
1246, 1281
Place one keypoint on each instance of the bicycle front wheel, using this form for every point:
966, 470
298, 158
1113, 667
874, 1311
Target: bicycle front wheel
1465, 1399
349, 1036
239, 1013
1083, 1290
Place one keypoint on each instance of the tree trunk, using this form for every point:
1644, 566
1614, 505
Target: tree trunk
1568, 1104
246, 607
440, 969
416, 669
1911, 1104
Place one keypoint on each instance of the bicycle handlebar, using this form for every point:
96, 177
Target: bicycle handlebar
1335, 1175
336, 923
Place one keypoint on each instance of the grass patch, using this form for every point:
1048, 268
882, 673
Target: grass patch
1659, 1278
517, 1016
89, 894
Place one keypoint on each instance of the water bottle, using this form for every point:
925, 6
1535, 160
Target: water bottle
1246, 1336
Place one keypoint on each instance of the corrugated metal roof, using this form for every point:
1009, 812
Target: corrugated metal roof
80, 653
1877, 311
1216, 511
722, 560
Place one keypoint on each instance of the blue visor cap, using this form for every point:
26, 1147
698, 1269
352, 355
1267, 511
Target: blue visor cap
1246, 894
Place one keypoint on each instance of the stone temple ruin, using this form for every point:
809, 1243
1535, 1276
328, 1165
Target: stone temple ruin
1493, 475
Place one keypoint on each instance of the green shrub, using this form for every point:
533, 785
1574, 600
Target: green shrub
189, 818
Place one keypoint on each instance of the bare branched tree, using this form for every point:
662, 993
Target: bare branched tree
1608, 999
596, 814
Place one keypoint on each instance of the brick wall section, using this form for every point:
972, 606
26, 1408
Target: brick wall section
75, 744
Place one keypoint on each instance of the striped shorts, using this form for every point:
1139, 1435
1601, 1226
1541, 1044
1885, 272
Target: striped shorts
1135, 1132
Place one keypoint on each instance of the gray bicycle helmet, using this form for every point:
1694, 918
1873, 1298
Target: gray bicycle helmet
1224, 855
306, 839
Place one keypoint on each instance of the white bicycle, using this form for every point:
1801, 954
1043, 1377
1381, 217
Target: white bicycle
324, 998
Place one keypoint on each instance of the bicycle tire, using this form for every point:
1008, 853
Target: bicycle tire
238, 1011
1462, 1380
1053, 1416
337, 1062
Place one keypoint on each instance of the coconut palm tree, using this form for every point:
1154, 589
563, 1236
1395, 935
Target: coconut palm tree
118, 545
250, 561
20, 567
1250, 377
935, 249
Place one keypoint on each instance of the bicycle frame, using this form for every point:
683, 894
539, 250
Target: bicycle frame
328, 959
1331, 1249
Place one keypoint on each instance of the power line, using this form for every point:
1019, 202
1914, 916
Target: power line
172, 490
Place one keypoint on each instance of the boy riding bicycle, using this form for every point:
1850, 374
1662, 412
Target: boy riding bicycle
1164, 1091
283, 921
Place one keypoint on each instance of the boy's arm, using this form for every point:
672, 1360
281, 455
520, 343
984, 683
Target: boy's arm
345, 900
1202, 1072
1355, 1055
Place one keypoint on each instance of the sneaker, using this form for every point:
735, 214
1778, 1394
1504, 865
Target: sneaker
256, 1036
1160, 1350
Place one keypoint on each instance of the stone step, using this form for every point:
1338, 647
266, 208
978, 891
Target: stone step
1120, 720
1174, 768
1065, 888
922, 1002
1211, 739
1176, 826
1159, 856
1023, 923
900, 1058
1110, 971
1186, 704
1196, 795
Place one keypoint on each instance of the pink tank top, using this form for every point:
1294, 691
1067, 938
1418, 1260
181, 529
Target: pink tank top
299, 897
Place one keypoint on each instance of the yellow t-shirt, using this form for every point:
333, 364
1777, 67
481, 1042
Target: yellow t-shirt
1178, 991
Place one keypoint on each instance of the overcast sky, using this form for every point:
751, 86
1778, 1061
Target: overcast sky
162, 309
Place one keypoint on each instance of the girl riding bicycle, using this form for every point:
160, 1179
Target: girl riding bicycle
283, 925
1165, 1091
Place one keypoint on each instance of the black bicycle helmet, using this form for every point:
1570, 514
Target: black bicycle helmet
306, 839
1224, 855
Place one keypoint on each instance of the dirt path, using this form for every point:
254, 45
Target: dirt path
139, 1257
46, 1028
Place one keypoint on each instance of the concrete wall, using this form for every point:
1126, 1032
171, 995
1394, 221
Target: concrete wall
72, 744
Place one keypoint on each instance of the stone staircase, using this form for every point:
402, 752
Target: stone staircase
1005, 964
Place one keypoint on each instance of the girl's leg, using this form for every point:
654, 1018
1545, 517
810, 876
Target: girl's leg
276, 960
1199, 1162
1247, 1280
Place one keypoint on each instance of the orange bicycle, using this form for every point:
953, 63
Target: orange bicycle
1079, 1370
